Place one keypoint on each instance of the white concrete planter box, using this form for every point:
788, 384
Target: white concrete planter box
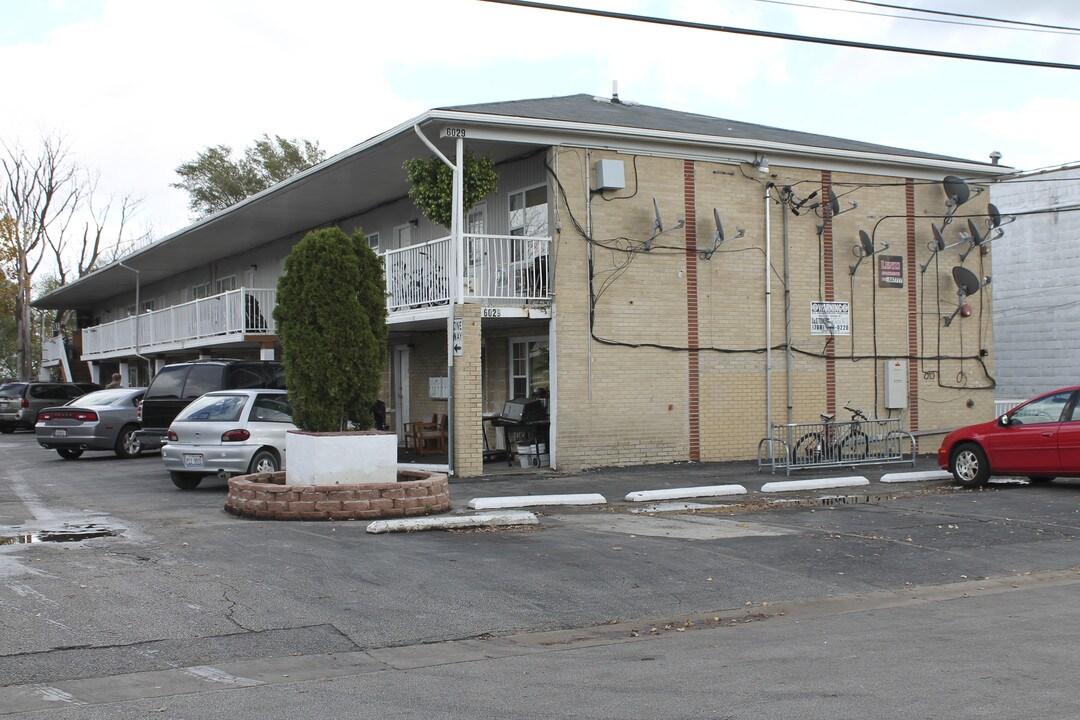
341, 458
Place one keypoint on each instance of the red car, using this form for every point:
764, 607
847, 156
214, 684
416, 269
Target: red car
1039, 439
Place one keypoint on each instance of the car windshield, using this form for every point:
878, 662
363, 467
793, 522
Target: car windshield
214, 408
101, 397
12, 389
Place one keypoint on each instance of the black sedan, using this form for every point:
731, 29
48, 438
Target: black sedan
101, 420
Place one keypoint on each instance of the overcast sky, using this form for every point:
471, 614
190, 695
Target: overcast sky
138, 87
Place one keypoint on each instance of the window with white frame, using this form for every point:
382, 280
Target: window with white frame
373, 241
529, 366
529, 212
476, 220
225, 284
200, 291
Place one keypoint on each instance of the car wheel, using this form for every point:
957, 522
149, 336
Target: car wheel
264, 462
127, 442
7, 429
69, 453
1040, 478
185, 481
969, 466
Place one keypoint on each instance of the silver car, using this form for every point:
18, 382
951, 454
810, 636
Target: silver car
101, 420
228, 432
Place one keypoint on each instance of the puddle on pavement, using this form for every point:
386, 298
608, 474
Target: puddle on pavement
68, 534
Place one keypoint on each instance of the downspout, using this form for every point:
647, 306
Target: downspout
768, 323
787, 324
138, 311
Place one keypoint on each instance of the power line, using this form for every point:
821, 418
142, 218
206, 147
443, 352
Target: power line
811, 6
964, 15
782, 36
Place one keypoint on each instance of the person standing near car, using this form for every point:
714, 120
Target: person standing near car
115, 382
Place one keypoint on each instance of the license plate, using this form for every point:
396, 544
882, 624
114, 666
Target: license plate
193, 461
59, 433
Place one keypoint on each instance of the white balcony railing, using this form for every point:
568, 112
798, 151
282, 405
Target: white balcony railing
247, 311
497, 268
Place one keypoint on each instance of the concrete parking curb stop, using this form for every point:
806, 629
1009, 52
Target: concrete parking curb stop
916, 476
453, 522
815, 484
493, 503
682, 493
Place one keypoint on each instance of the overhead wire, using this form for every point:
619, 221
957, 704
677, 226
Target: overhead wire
652, 19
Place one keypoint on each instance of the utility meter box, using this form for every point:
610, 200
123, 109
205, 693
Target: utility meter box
895, 384
610, 175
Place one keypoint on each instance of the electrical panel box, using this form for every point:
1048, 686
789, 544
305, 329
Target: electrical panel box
438, 388
610, 175
895, 384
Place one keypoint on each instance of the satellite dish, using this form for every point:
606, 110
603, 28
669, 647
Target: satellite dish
957, 191
939, 240
967, 284
658, 223
718, 237
976, 236
834, 202
865, 249
995, 215
867, 243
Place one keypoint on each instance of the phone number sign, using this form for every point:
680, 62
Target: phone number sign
830, 318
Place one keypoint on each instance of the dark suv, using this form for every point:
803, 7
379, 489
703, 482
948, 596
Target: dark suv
178, 384
20, 401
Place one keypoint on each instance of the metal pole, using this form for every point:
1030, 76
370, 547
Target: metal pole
768, 324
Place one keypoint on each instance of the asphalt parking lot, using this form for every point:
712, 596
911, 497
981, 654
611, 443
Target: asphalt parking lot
872, 606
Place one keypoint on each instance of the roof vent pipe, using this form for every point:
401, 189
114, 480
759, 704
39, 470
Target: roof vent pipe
615, 92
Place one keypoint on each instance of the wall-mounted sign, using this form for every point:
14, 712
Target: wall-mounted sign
830, 318
890, 271
459, 337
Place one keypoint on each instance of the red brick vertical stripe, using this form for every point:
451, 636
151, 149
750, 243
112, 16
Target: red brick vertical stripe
913, 309
693, 369
829, 285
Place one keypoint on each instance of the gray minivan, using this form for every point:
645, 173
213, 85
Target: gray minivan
20, 401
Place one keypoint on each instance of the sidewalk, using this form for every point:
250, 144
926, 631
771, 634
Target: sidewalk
616, 483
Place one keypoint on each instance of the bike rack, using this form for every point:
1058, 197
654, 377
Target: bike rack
803, 446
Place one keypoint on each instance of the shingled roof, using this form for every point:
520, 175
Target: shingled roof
590, 110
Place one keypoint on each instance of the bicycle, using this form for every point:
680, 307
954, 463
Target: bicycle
834, 442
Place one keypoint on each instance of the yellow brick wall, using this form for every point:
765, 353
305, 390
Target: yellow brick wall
623, 405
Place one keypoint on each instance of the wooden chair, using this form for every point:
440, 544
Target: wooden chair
430, 437
409, 430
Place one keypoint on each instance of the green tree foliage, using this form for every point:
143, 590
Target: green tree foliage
331, 320
214, 181
432, 185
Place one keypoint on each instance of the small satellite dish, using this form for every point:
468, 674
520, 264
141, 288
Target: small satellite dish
976, 236
995, 215
967, 284
939, 240
957, 191
658, 223
718, 237
834, 202
865, 249
867, 243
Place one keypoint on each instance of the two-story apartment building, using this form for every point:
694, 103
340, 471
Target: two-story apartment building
675, 284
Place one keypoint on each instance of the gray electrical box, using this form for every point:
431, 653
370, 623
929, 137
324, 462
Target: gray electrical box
895, 384
610, 175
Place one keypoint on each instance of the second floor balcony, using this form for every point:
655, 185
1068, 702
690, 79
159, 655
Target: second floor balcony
503, 271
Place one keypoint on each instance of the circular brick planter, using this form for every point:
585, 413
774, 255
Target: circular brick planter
266, 496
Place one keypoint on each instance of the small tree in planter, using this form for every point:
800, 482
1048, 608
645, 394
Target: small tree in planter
331, 321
